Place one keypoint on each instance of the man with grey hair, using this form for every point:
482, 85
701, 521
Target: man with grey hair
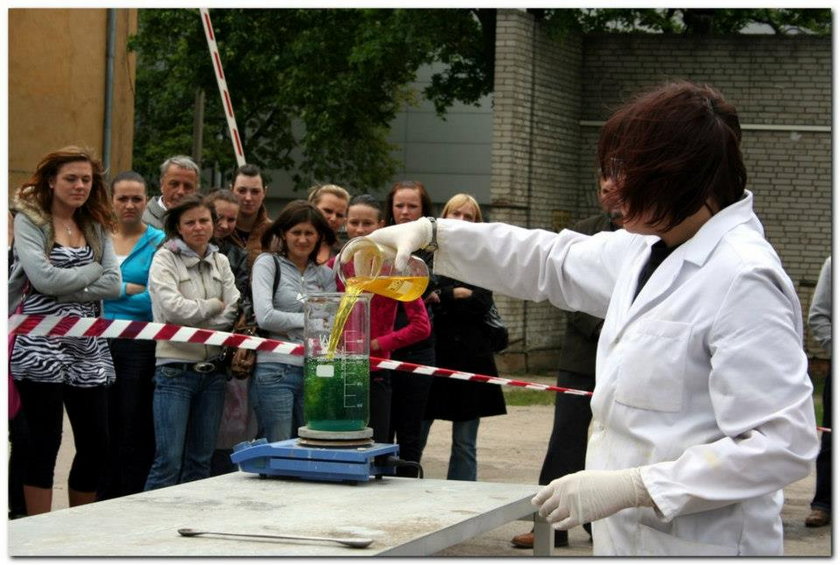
178, 177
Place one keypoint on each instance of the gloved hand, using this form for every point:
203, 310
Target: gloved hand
405, 238
587, 496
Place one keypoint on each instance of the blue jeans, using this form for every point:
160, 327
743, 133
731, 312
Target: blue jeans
462, 461
276, 393
187, 410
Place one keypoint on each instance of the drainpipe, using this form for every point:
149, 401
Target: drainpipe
109, 89
530, 185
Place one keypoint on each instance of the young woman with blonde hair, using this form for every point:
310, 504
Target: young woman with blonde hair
462, 343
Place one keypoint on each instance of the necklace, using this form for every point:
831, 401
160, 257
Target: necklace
67, 228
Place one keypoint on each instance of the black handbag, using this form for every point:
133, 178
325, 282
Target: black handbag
498, 331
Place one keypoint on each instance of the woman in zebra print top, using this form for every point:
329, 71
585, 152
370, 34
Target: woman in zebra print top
62, 248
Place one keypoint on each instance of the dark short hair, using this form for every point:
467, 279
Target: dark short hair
131, 176
425, 199
672, 149
247, 170
367, 200
172, 216
294, 213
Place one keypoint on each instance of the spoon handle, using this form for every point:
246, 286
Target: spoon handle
357, 542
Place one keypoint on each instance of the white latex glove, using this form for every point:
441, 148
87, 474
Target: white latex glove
405, 238
587, 496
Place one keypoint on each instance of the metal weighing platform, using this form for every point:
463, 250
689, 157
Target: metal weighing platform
288, 458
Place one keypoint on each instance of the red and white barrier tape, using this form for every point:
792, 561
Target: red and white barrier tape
71, 326
223, 89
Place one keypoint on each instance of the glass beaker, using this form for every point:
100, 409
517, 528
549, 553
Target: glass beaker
364, 265
336, 361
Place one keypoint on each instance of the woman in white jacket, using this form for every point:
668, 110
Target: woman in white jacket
190, 284
702, 409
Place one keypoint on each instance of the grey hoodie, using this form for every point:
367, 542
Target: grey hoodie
34, 238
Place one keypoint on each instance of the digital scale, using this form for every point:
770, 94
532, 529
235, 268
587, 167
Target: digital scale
318, 456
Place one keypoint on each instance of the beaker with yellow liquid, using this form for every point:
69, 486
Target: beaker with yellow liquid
365, 266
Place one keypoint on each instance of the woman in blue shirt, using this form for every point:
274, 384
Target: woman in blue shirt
132, 434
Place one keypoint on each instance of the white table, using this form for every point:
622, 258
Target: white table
404, 517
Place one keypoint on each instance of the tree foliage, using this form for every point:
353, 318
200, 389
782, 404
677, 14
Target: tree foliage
315, 90
698, 21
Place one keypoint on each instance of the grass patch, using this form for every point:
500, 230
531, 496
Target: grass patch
523, 397
516, 396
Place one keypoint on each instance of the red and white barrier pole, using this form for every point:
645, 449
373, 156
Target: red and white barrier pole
223, 89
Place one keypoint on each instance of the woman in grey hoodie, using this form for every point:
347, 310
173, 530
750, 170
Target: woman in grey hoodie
64, 265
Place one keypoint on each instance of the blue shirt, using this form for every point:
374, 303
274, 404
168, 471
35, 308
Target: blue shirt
135, 269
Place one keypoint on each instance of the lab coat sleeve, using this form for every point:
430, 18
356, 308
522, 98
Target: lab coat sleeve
573, 271
761, 399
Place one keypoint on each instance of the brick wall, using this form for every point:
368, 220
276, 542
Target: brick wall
550, 97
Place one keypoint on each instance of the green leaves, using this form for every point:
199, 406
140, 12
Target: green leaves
686, 21
322, 85
316, 89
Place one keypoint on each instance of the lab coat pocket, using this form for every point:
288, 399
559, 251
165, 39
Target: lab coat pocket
655, 543
653, 365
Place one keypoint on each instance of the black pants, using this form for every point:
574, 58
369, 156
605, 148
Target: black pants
409, 392
566, 451
822, 496
130, 425
43, 407
380, 405
18, 446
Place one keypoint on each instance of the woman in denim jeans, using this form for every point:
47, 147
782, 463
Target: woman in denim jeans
276, 391
190, 284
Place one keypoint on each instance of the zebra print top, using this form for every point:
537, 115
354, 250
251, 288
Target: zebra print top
81, 362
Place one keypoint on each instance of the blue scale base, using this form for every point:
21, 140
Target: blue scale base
288, 459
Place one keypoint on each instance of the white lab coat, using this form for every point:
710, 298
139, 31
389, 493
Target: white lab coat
701, 381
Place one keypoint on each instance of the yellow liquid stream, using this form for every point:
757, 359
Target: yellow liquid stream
404, 289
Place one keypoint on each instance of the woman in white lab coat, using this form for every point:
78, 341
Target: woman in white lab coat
702, 409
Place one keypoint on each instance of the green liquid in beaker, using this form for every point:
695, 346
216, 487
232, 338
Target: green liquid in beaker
336, 393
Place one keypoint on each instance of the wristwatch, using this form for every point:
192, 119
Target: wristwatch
433, 245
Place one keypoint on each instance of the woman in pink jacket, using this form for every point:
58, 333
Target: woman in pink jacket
364, 215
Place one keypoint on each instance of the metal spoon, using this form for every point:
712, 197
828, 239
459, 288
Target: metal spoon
350, 542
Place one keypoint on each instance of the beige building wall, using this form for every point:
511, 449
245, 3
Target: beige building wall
57, 85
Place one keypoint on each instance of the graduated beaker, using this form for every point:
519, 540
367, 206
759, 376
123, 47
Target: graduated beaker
336, 361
